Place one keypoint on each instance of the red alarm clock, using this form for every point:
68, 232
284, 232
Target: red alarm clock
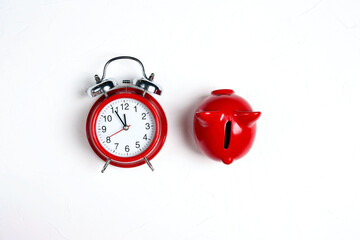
225, 126
126, 127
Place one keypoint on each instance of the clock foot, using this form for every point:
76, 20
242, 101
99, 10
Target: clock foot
149, 164
106, 165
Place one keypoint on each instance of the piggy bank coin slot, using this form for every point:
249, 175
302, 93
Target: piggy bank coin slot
227, 134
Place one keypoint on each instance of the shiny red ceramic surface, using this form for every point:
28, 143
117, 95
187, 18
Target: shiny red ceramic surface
225, 126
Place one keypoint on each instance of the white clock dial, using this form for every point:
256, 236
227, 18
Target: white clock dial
125, 127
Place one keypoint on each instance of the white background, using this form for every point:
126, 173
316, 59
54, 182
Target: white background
296, 61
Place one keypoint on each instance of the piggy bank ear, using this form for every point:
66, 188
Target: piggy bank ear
247, 118
208, 117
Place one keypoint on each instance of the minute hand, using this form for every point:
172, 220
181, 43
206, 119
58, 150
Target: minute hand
120, 118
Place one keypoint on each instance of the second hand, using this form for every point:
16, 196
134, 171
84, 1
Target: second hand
119, 131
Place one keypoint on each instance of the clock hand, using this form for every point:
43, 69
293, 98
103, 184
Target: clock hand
120, 131
125, 119
120, 118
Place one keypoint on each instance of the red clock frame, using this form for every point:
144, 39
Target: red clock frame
160, 132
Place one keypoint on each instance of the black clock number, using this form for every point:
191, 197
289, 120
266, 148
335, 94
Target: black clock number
124, 106
127, 149
107, 118
117, 144
143, 116
116, 109
108, 140
145, 137
103, 128
137, 144
147, 126
135, 108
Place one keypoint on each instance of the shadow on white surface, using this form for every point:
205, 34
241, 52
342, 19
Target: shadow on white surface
80, 123
186, 118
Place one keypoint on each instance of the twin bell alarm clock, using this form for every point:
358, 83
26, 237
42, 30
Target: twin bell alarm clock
126, 127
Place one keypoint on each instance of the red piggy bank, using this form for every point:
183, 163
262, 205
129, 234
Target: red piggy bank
225, 126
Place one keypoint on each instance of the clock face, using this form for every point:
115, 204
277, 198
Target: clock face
125, 127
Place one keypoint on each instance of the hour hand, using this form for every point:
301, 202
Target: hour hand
117, 114
125, 119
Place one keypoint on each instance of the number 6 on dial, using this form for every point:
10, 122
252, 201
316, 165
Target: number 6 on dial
126, 127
